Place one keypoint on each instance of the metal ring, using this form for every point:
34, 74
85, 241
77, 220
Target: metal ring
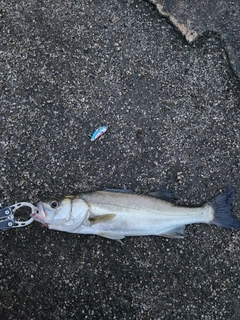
16, 206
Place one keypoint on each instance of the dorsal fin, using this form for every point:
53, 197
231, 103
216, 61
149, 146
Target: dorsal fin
119, 190
163, 194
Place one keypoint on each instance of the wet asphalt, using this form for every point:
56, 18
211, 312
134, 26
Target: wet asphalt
68, 67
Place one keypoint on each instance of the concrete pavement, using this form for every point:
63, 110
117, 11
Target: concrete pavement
68, 67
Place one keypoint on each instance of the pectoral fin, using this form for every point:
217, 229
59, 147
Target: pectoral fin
175, 233
111, 235
103, 218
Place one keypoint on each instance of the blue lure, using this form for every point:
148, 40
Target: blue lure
99, 132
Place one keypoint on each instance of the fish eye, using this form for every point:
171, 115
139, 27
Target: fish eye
54, 204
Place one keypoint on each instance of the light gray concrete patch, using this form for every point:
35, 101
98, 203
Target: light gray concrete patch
194, 18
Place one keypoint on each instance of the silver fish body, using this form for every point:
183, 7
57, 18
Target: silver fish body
116, 214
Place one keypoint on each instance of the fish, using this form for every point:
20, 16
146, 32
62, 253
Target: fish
99, 132
115, 214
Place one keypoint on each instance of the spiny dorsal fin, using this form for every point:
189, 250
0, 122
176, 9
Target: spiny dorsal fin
102, 218
119, 190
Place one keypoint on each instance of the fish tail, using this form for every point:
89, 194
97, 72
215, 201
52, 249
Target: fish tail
223, 205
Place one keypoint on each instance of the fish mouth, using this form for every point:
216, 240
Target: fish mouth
40, 214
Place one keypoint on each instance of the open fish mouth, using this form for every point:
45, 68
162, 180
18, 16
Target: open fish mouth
40, 213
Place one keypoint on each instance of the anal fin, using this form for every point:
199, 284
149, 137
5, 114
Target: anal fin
175, 233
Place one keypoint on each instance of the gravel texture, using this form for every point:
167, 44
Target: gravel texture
193, 18
68, 67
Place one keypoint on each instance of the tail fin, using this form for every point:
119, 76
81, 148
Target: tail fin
223, 205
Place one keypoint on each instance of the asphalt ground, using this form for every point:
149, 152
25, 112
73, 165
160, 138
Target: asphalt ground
68, 67
194, 18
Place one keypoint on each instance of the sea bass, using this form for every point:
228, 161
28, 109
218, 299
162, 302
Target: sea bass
115, 214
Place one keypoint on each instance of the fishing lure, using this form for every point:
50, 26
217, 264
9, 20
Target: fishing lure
99, 132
